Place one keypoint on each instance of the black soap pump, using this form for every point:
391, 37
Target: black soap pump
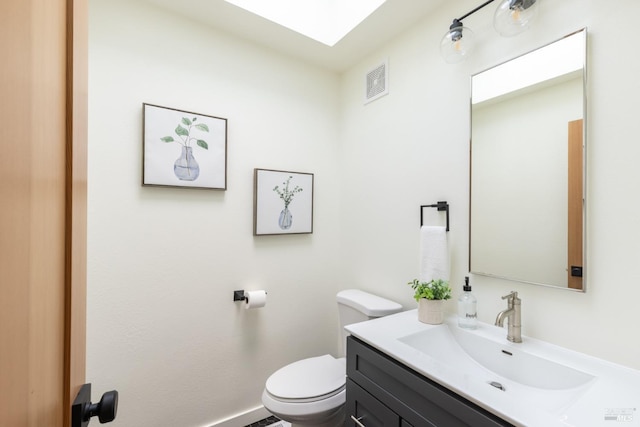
467, 307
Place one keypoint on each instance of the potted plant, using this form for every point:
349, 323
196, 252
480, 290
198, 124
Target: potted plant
431, 296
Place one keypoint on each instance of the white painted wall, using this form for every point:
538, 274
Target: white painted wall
162, 328
163, 262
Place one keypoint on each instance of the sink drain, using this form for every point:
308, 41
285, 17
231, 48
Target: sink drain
497, 385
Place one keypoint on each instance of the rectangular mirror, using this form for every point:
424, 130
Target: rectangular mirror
528, 167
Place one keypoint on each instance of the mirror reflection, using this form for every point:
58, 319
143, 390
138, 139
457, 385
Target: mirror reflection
527, 167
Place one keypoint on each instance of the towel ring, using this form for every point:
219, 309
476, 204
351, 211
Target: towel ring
441, 206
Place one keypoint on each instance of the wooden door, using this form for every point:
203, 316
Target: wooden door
43, 75
575, 207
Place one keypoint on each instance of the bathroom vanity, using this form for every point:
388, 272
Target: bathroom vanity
402, 372
381, 392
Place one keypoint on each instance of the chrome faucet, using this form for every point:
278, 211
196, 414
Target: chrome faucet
512, 314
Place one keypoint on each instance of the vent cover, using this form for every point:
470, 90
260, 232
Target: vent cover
377, 82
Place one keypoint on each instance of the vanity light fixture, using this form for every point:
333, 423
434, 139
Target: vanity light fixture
510, 18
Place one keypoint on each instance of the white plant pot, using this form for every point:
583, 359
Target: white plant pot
431, 311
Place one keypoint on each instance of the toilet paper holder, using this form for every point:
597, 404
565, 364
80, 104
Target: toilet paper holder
239, 295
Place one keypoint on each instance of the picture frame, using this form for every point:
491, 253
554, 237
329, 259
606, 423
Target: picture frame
283, 202
183, 149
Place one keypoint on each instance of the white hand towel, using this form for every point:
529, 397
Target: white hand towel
434, 254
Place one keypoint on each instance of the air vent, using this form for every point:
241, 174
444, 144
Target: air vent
377, 82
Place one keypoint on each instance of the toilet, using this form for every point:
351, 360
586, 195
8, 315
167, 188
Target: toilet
311, 392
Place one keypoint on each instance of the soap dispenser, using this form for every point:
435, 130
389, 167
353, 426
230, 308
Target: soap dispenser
467, 308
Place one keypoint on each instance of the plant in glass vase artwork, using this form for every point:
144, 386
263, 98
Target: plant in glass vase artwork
186, 168
286, 219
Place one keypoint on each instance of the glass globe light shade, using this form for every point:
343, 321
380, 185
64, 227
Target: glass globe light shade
514, 16
457, 43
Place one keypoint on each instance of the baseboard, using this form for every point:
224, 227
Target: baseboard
242, 419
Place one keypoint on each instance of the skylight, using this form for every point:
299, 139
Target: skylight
326, 21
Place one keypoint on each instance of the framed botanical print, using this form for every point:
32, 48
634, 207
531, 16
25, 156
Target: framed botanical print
283, 202
183, 149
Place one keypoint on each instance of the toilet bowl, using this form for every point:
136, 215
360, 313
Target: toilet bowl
311, 392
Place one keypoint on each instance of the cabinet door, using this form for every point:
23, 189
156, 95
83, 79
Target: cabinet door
415, 398
367, 410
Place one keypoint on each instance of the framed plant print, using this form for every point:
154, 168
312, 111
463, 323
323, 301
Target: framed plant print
183, 149
282, 202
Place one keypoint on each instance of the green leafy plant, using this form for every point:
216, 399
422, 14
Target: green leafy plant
435, 289
285, 194
184, 133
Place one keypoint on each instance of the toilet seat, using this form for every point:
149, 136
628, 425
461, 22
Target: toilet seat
301, 412
308, 380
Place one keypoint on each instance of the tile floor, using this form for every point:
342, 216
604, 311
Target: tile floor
270, 422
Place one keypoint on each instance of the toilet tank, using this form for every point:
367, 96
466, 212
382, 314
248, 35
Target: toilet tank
356, 306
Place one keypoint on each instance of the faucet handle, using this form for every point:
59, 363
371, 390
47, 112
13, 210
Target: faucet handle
512, 296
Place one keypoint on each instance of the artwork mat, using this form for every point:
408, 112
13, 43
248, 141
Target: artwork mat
158, 156
268, 204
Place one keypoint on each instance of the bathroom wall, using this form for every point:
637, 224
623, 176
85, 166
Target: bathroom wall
411, 148
163, 262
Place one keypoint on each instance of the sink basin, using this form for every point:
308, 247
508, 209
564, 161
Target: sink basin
533, 383
476, 353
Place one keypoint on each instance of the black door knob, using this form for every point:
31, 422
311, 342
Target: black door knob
82, 409
105, 410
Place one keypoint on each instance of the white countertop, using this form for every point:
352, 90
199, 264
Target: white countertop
611, 399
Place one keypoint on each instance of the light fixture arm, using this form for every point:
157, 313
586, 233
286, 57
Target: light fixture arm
474, 10
455, 29
525, 4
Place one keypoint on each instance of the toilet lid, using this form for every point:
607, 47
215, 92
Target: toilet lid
308, 378
369, 304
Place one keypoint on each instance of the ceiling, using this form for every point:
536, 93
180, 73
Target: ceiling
388, 20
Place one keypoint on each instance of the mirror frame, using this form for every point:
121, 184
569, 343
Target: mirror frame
584, 54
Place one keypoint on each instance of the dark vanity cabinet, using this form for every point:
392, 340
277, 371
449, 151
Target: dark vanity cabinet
382, 392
